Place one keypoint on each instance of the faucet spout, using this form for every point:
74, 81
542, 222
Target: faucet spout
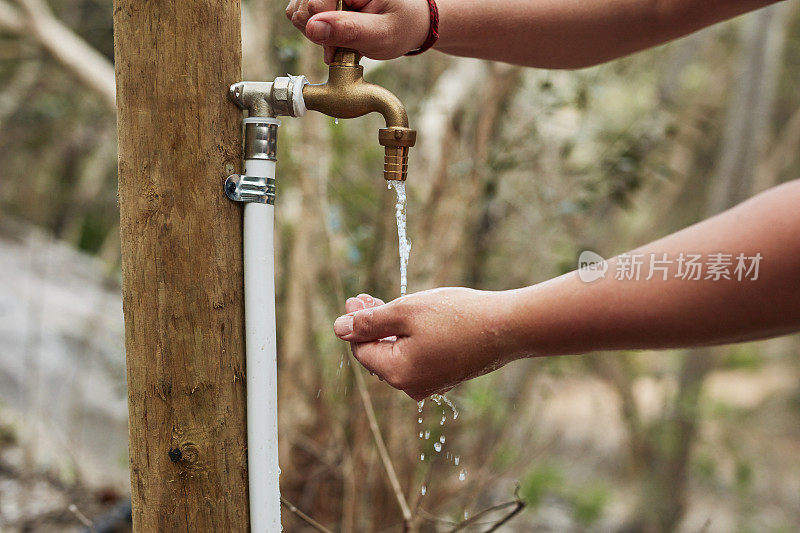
347, 95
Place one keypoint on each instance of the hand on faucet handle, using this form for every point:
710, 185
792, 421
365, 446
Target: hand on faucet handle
378, 29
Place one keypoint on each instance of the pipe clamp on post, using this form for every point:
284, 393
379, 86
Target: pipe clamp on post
251, 189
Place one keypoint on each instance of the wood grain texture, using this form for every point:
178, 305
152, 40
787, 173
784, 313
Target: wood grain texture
179, 137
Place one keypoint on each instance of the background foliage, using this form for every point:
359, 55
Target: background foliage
516, 172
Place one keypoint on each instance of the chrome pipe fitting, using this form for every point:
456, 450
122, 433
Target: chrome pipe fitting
261, 140
281, 97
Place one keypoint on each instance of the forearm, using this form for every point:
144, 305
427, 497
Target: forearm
573, 33
568, 316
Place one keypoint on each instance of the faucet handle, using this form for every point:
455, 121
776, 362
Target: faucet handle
345, 56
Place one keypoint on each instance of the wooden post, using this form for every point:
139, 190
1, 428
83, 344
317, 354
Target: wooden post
179, 137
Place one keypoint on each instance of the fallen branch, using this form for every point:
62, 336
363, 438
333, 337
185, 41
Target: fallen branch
304, 517
517, 503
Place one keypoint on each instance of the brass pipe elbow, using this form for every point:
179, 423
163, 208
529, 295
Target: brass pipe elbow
347, 95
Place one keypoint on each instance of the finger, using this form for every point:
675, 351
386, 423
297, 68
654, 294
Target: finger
300, 18
370, 324
320, 6
376, 357
356, 5
290, 9
369, 301
360, 31
328, 54
353, 304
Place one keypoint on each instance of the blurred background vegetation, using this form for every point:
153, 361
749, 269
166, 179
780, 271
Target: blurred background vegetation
516, 171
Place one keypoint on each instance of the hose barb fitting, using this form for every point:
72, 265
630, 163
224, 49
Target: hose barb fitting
396, 142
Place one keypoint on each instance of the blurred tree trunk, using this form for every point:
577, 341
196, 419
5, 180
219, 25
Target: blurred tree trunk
179, 136
477, 237
746, 129
750, 108
440, 121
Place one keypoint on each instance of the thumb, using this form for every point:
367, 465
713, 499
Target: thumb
366, 32
370, 324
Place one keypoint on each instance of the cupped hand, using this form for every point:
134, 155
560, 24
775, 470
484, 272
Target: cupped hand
379, 29
430, 341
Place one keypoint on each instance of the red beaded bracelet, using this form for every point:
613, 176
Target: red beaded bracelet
433, 32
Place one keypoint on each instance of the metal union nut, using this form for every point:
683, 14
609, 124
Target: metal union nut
396, 136
282, 96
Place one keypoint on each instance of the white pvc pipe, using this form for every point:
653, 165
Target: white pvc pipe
260, 347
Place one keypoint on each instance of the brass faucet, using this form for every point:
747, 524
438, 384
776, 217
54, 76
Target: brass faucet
347, 95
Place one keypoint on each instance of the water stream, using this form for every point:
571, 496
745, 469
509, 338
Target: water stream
440, 400
404, 243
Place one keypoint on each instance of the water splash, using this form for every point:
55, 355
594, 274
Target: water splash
441, 398
336, 121
404, 243
462, 475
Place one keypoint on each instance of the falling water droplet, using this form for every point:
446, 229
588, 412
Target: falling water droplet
419, 420
420, 434
422, 457
427, 434
437, 446
457, 459
423, 489
336, 121
420, 404
462, 475
441, 439
466, 514
441, 422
